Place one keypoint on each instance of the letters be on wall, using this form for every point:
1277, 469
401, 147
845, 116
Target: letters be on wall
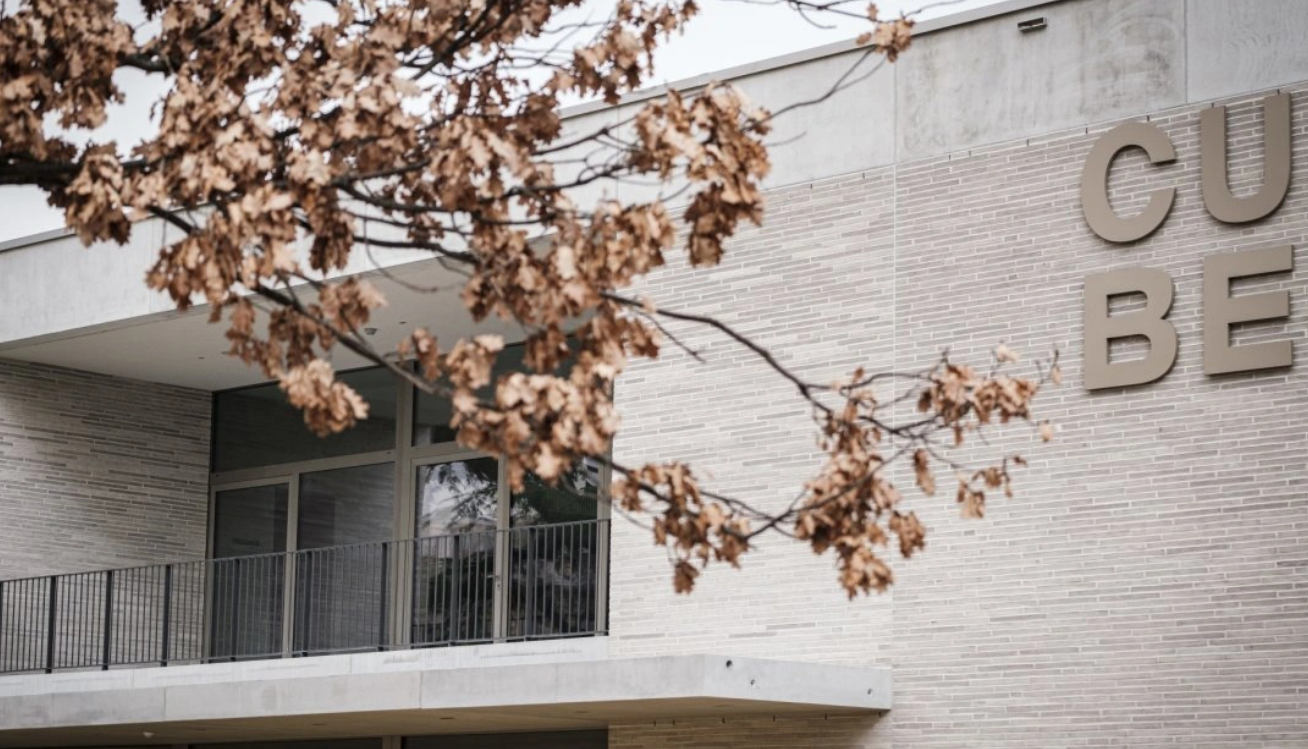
1220, 310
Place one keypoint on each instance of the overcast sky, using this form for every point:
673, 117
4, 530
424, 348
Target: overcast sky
725, 34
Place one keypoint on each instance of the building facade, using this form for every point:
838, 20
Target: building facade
181, 566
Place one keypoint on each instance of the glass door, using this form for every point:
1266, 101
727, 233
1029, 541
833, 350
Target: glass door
342, 560
247, 574
490, 566
457, 512
553, 555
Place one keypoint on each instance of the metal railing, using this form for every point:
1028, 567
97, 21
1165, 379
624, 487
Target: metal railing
534, 582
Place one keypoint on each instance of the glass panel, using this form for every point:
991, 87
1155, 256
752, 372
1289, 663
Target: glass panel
250, 521
257, 427
574, 497
345, 522
454, 570
248, 571
431, 419
346, 506
553, 553
457, 497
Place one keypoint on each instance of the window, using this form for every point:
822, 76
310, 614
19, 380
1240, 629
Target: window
369, 539
256, 426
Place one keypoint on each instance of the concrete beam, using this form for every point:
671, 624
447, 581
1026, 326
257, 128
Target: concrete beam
493, 688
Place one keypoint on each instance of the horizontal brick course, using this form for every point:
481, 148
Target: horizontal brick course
98, 471
1146, 587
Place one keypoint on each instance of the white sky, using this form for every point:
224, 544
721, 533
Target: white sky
727, 33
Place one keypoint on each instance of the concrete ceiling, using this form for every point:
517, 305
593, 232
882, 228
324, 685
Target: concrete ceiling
185, 350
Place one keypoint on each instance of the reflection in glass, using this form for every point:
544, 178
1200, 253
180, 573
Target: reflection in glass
575, 496
256, 426
249, 571
458, 496
454, 571
341, 571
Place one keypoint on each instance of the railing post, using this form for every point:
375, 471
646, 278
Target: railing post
108, 618
167, 615
601, 576
51, 622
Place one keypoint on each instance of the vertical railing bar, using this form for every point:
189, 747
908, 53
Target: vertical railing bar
4, 636
149, 641
454, 602
131, 615
530, 605
565, 627
138, 615
28, 625
53, 590
70, 633
136, 645
557, 538
126, 621
483, 593
24, 657
562, 546
345, 624
164, 646
129, 619
108, 618
28, 660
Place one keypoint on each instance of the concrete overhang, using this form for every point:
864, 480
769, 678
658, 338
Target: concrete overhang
496, 688
105, 319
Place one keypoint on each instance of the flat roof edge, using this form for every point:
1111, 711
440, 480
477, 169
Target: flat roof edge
929, 26
37, 238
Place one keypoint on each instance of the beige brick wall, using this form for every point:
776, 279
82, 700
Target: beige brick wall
98, 471
1147, 586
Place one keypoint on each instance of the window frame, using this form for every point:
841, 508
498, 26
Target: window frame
406, 459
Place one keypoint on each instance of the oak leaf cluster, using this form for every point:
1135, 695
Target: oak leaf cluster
295, 134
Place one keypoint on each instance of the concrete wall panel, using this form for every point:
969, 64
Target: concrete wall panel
853, 128
1233, 46
987, 82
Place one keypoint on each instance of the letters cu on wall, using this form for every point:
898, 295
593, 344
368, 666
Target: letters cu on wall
1220, 310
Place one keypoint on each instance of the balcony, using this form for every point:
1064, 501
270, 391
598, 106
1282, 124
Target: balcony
486, 586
